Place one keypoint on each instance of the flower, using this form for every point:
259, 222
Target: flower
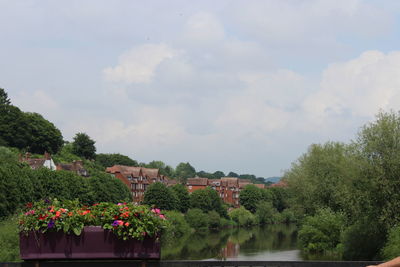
31, 212
156, 211
50, 224
162, 216
127, 224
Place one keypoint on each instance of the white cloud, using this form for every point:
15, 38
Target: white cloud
139, 63
359, 87
36, 101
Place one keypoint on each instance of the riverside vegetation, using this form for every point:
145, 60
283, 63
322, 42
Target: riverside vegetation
344, 197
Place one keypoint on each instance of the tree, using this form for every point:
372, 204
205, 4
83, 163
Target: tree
108, 160
4, 100
207, 200
233, 174
249, 197
160, 196
218, 174
184, 171
164, 169
44, 136
183, 197
83, 146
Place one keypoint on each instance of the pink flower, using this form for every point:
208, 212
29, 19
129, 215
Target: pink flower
161, 216
156, 211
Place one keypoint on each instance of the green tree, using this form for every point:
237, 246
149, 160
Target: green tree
265, 212
207, 200
4, 100
44, 136
242, 216
182, 196
218, 174
249, 197
184, 171
160, 196
83, 146
197, 219
164, 169
233, 174
108, 160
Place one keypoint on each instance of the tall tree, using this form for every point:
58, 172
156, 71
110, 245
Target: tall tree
183, 197
184, 171
83, 146
249, 197
4, 100
233, 174
160, 196
108, 160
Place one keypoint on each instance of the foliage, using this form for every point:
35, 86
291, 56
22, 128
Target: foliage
4, 100
280, 197
184, 171
177, 224
379, 144
160, 196
28, 131
242, 216
322, 178
197, 219
249, 197
321, 232
9, 240
363, 240
65, 155
109, 160
83, 146
124, 219
207, 200
214, 220
44, 136
392, 247
183, 198
20, 185
265, 213
8, 155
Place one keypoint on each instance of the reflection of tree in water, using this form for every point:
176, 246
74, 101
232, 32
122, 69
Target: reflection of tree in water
227, 243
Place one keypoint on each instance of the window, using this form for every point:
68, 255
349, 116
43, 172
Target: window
190, 187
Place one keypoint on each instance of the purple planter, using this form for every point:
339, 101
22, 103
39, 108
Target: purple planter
93, 243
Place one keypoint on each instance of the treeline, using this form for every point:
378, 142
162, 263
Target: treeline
203, 209
348, 194
19, 184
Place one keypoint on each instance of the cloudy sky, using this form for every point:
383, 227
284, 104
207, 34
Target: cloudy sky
243, 86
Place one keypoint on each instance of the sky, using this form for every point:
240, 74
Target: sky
243, 86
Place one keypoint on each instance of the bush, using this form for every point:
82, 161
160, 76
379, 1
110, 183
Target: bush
363, 241
265, 213
161, 196
177, 225
214, 220
242, 217
9, 241
321, 232
197, 219
392, 246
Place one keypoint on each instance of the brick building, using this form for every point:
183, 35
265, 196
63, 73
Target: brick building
76, 166
228, 188
137, 178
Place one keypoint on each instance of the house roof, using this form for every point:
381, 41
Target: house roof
230, 181
279, 184
35, 163
262, 186
214, 181
197, 181
150, 173
244, 182
134, 171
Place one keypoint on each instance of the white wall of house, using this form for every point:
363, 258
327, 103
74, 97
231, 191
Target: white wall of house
49, 163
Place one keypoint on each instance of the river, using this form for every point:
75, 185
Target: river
266, 243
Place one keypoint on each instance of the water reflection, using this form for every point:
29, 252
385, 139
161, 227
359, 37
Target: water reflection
274, 242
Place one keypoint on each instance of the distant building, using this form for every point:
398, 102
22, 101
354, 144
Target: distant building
36, 163
76, 166
279, 184
137, 178
196, 183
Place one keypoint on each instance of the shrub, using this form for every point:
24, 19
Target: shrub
363, 240
265, 213
197, 219
242, 217
177, 225
214, 220
392, 246
321, 232
9, 241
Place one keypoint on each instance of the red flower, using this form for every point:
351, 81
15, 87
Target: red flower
42, 217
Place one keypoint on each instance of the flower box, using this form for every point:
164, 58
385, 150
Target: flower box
93, 243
